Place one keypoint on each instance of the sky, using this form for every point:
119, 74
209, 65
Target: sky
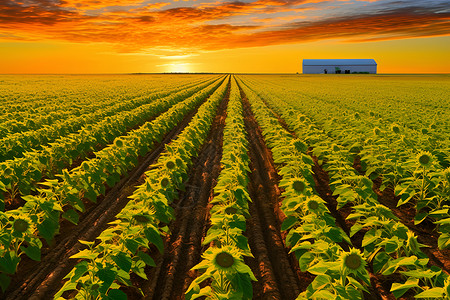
262, 36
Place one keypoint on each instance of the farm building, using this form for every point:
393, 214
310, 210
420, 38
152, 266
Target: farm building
339, 66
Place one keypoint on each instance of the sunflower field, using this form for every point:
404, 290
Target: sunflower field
224, 186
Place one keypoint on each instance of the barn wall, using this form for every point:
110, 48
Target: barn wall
372, 69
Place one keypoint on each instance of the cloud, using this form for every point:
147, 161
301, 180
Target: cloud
219, 25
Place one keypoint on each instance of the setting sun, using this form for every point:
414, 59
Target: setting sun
177, 67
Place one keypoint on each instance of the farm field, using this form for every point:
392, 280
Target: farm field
225, 186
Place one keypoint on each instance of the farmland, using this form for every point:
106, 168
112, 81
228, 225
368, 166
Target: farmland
225, 186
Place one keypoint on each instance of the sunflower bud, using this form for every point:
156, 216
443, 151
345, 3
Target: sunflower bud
425, 159
353, 262
395, 128
20, 225
170, 165
224, 259
298, 185
118, 143
231, 210
165, 181
313, 205
8, 171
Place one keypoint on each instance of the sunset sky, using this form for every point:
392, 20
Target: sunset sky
263, 36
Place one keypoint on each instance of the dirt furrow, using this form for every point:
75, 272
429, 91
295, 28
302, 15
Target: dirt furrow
172, 276
40, 280
277, 272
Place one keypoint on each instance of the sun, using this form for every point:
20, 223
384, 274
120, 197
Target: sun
179, 68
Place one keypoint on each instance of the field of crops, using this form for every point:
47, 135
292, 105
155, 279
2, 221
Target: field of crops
224, 187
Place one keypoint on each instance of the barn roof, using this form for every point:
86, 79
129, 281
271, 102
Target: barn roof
347, 62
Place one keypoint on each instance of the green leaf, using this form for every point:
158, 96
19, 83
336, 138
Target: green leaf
444, 241
355, 228
9, 262
87, 243
244, 269
323, 294
107, 276
357, 284
72, 216
335, 234
32, 252
5, 280
146, 258
79, 271
436, 292
370, 237
321, 282
380, 260
305, 260
420, 217
47, 229
117, 295
131, 245
203, 292
154, 237
392, 245
398, 289
289, 222
85, 254
123, 261
319, 269
68, 286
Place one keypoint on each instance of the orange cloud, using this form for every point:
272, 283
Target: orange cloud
189, 28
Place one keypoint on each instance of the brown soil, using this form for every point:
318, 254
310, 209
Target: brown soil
172, 276
278, 274
40, 280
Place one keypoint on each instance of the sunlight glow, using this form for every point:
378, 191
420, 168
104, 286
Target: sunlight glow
177, 67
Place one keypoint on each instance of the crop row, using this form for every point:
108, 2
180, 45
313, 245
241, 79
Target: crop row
41, 214
222, 264
124, 246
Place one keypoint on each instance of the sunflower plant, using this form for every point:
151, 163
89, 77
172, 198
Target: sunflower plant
231, 277
341, 275
17, 238
425, 187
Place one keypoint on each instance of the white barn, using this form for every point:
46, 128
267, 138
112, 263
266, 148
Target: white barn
339, 66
